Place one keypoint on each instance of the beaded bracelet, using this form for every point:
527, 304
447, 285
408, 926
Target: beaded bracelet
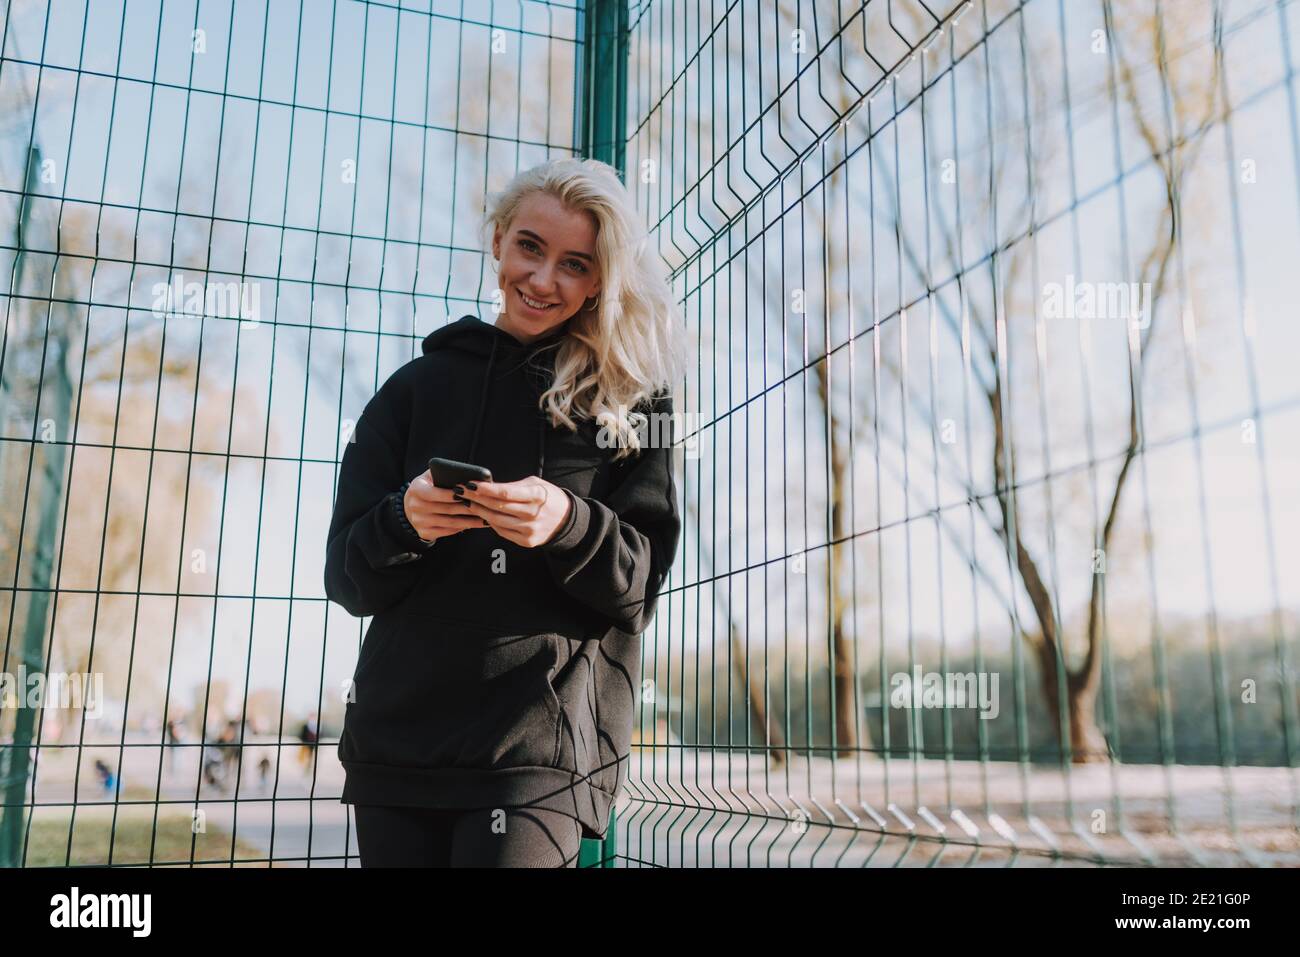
402, 520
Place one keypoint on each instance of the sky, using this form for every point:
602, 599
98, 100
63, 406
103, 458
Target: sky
382, 202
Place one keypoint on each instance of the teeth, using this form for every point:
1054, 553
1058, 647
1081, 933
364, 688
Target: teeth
536, 304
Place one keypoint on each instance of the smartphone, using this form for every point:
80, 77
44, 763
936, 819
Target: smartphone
448, 473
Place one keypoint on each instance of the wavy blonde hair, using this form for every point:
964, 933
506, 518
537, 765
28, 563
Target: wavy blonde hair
632, 346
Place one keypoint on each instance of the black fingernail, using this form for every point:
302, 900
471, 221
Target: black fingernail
472, 485
458, 497
459, 488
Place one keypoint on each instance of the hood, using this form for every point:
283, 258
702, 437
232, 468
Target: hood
505, 355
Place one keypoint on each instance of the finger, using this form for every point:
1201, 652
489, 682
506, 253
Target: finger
445, 499
445, 527
433, 510
454, 521
490, 489
437, 511
423, 488
507, 492
514, 509
495, 506
508, 534
498, 519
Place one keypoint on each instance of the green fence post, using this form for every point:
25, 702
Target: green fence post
601, 97
47, 475
601, 853
600, 132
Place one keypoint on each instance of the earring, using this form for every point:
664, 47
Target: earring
592, 307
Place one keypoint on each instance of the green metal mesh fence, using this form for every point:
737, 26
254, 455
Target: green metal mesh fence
224, 225
991, 452
991, 555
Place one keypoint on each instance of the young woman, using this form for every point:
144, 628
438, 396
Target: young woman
491, 711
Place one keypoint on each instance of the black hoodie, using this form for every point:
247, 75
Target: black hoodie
495, 675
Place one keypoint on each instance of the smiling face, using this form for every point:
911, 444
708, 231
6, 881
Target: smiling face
547, 266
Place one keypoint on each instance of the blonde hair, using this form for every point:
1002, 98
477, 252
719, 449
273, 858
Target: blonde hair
632, 346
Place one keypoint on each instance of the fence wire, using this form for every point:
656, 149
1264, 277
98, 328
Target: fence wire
989, 553
224, 226
990, 559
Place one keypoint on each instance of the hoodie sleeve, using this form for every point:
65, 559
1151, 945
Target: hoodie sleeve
613, 555
372, 559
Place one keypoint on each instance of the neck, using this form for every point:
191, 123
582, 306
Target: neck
525, 340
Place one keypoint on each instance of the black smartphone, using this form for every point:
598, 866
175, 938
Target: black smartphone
448, 473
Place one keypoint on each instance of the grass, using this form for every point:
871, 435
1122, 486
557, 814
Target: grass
134, 839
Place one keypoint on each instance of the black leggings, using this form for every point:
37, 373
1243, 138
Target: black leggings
465, 837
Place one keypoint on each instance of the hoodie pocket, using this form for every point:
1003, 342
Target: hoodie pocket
442, 693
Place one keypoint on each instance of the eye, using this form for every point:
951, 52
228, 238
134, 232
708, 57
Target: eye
578, 264
528, 244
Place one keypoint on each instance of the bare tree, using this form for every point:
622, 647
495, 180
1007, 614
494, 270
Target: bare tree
1069, 679
1139, 42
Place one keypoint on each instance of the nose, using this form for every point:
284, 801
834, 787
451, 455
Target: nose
542, 279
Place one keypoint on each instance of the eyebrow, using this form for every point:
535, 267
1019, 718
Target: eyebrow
571, 252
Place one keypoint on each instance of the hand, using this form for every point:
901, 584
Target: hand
434, 512
528, 512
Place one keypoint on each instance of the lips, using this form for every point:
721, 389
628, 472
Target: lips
537, 304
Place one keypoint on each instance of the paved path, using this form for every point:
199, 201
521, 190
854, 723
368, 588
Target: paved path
700, 808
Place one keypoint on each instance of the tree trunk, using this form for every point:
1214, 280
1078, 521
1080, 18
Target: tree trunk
773, 740
1086, 741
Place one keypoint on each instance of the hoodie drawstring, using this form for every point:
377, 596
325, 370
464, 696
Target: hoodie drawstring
482, 406
482, 400
541, 444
